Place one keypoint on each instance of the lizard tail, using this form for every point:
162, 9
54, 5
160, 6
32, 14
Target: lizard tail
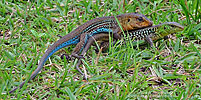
50, 51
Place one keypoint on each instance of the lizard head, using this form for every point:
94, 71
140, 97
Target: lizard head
131, 21
167, 28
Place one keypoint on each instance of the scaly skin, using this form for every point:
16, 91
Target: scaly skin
80, 35
155, 32
151, 34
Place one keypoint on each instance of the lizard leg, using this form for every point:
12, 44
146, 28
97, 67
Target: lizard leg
68, 58
116, 33
85, 49
77, 49
116, 36
149, 40
104, 45
87, 46
79, 46
77, 67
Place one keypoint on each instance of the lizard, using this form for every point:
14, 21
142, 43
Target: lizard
80, 35
148, 34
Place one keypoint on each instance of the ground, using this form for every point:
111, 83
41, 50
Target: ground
171, 70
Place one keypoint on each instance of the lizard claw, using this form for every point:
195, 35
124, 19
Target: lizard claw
79, 70
85, 77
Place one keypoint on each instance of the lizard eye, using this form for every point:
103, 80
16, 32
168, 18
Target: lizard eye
129, 20
172, 26
140, 19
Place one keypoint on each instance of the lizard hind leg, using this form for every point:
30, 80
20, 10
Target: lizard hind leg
79, 46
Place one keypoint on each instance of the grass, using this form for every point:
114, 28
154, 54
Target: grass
170, 71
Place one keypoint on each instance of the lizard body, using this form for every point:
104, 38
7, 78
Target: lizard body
80, 35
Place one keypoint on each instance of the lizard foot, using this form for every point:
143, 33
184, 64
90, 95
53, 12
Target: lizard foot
79, 70
59, 36
65, 56
77, 56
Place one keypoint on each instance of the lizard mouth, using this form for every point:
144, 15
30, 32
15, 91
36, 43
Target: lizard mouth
147, 27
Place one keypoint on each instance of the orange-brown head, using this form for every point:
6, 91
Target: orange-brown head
131, 21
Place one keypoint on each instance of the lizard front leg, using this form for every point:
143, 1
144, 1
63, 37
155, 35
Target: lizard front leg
116, 33
105, 43
149, 40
